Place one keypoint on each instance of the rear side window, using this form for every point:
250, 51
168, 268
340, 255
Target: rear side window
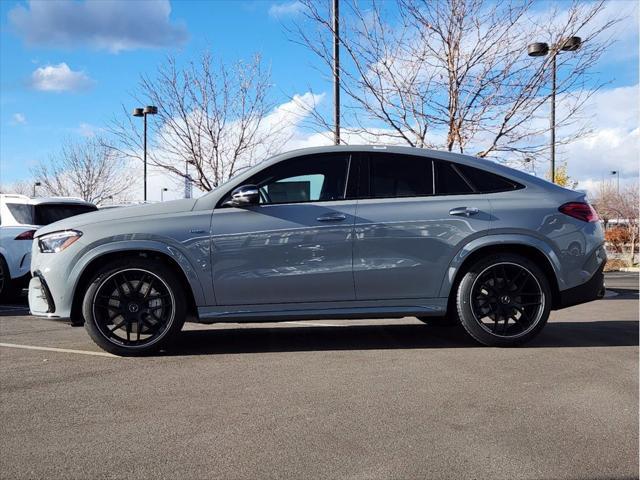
399, 176
486, 182
48, 213
449, 181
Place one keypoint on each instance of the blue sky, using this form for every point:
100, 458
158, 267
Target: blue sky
230, 29
103, 58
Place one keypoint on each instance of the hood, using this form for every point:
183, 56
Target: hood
115, 214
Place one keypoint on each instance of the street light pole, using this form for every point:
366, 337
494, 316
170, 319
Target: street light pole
617, 173
144, 148
540, 49
552, 124
143, 112
336, 71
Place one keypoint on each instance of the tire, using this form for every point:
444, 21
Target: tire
132, 298
503, 300
6, 287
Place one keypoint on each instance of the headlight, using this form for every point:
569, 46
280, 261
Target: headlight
58, 241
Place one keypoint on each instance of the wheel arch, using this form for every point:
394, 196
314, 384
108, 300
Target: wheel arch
192, 288
534, 249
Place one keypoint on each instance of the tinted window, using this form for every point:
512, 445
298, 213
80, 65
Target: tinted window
486, 182
399, 176
305, 179
22, 212
46, 213
49, 213
448, 181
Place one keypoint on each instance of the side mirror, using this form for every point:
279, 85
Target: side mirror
244, 196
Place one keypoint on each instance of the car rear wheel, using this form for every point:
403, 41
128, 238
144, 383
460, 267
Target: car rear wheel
504, 300
5, 280
134, 308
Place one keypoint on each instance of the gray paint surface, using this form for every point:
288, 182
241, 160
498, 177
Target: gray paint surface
281, 260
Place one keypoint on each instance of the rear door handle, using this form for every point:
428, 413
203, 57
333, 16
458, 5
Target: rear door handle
332, 217
464, 211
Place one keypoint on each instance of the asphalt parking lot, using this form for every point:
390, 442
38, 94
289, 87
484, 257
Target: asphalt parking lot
326, 399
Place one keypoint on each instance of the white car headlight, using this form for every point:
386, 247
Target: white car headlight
57, 241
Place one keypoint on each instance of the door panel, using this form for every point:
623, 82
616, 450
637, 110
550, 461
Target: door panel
281, 253
402, 246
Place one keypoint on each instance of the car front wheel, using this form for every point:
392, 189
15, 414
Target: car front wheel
134, 308
504, 300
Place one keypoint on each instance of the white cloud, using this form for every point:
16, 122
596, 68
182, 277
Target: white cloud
88, 130
112, 25
615, 140
18, 119
59, 78
279, 10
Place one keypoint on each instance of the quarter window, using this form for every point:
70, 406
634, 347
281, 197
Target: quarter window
486, 182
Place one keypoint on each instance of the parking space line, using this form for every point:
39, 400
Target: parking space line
59, 350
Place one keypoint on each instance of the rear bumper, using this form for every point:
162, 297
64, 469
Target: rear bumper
591, 290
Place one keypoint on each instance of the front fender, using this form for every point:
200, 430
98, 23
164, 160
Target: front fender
93, 251
495, 240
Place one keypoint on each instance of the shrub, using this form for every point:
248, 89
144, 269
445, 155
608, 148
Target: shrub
617, 237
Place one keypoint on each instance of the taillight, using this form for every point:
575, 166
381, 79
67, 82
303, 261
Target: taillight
28, 235
580, 210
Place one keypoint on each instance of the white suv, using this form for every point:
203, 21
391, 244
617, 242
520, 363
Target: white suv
20, 217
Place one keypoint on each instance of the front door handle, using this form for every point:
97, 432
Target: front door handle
464, 211
331, 217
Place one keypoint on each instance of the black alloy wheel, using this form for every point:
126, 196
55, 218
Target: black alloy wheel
134, 309
503, 300
507, 299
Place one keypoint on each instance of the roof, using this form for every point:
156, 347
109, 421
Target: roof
74, 200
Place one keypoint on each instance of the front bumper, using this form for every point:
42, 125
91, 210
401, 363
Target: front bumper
591, 290
41, 301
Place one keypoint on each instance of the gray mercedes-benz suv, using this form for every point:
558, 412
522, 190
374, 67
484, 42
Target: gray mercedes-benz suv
332, 232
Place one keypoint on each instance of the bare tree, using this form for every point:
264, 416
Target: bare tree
621, 206
20, 187
630, 207
212, 117
87, 169
455, 74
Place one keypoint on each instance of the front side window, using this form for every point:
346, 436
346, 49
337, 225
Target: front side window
313, 178
393, 176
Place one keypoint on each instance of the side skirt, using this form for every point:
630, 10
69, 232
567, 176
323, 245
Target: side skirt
423, 307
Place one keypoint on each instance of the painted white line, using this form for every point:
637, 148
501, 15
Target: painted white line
59, 350
317, 324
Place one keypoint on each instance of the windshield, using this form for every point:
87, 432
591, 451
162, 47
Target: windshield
46, 213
